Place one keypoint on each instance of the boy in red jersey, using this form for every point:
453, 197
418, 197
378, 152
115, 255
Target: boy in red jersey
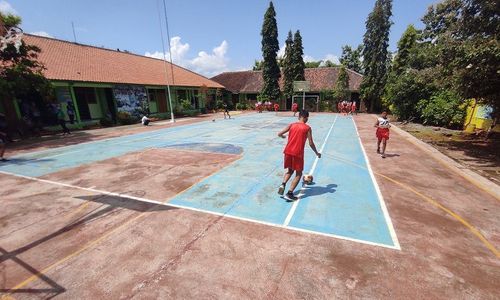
294, 152
295, 107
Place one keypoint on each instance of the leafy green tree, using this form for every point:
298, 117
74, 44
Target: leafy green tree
21, 74
287, 67
407, 84
257, 65
375, 43
328, 64
351, 58
270, 70
298, 64
406, 46
312, 64
341, 90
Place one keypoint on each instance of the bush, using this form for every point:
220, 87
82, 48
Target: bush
124, 118
106, 122
443, 109
186, 105
241, 106
219, 104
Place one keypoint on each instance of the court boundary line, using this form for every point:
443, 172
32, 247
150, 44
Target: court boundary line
141, 199
108, 139
383, 206
311, 171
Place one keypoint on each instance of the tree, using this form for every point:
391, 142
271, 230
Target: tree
257, 65
287, 67
328, 64
298, 64
351, 58
270, 70
406, 46
312, 64
408, 82
375, 43
341, 90
21, 74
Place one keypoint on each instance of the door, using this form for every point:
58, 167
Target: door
82, 94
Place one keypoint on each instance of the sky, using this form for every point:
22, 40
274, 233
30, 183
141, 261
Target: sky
210, 36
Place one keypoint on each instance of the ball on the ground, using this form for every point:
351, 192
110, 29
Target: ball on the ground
308, 179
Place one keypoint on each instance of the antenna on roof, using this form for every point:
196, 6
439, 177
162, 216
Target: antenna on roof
74, 34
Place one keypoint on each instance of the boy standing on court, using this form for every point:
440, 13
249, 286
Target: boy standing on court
294, 152
382, 132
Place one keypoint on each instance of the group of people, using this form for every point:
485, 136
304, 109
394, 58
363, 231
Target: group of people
347, 107
298, 133
54, 114
268, 105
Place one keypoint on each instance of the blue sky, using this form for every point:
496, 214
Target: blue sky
210, 36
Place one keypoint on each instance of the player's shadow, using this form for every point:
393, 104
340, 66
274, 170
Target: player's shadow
389, 155
315, 190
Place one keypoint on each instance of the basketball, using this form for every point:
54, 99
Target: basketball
308, 179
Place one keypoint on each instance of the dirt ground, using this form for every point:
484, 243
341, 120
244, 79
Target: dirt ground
470, 150
61, 237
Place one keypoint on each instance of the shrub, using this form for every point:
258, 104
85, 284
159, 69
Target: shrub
124, 118
241, 106
219, 104
442, 109
186, 105
106, 122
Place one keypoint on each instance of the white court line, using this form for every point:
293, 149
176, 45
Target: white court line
104, 140
198, 210
379, 194
296, 203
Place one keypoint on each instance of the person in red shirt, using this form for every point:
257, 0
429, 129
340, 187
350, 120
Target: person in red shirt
276, 107
353, 107
295, 108
299, 132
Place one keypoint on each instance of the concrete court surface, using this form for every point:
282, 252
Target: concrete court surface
191, 211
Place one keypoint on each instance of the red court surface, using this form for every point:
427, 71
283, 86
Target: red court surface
61, 240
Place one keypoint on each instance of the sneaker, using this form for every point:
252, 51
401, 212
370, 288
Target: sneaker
291, 197
383, 155
281, 189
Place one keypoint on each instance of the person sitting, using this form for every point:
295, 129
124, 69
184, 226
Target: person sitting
145, 121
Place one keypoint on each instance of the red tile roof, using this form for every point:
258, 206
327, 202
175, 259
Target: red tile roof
75, 62
320, 78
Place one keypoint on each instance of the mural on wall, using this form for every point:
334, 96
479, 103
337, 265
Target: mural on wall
130, 99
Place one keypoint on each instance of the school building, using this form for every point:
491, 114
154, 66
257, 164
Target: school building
245, 86
104, 83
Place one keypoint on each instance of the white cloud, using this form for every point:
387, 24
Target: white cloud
308, 58
41, 33
208, 64
333, 58
281, 52
6, 8
211, 64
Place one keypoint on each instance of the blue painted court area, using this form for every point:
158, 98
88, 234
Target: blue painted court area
344, 202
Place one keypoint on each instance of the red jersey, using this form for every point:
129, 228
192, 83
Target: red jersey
295, 106
297, 137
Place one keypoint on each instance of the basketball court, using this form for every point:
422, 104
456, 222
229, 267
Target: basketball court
192, 210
